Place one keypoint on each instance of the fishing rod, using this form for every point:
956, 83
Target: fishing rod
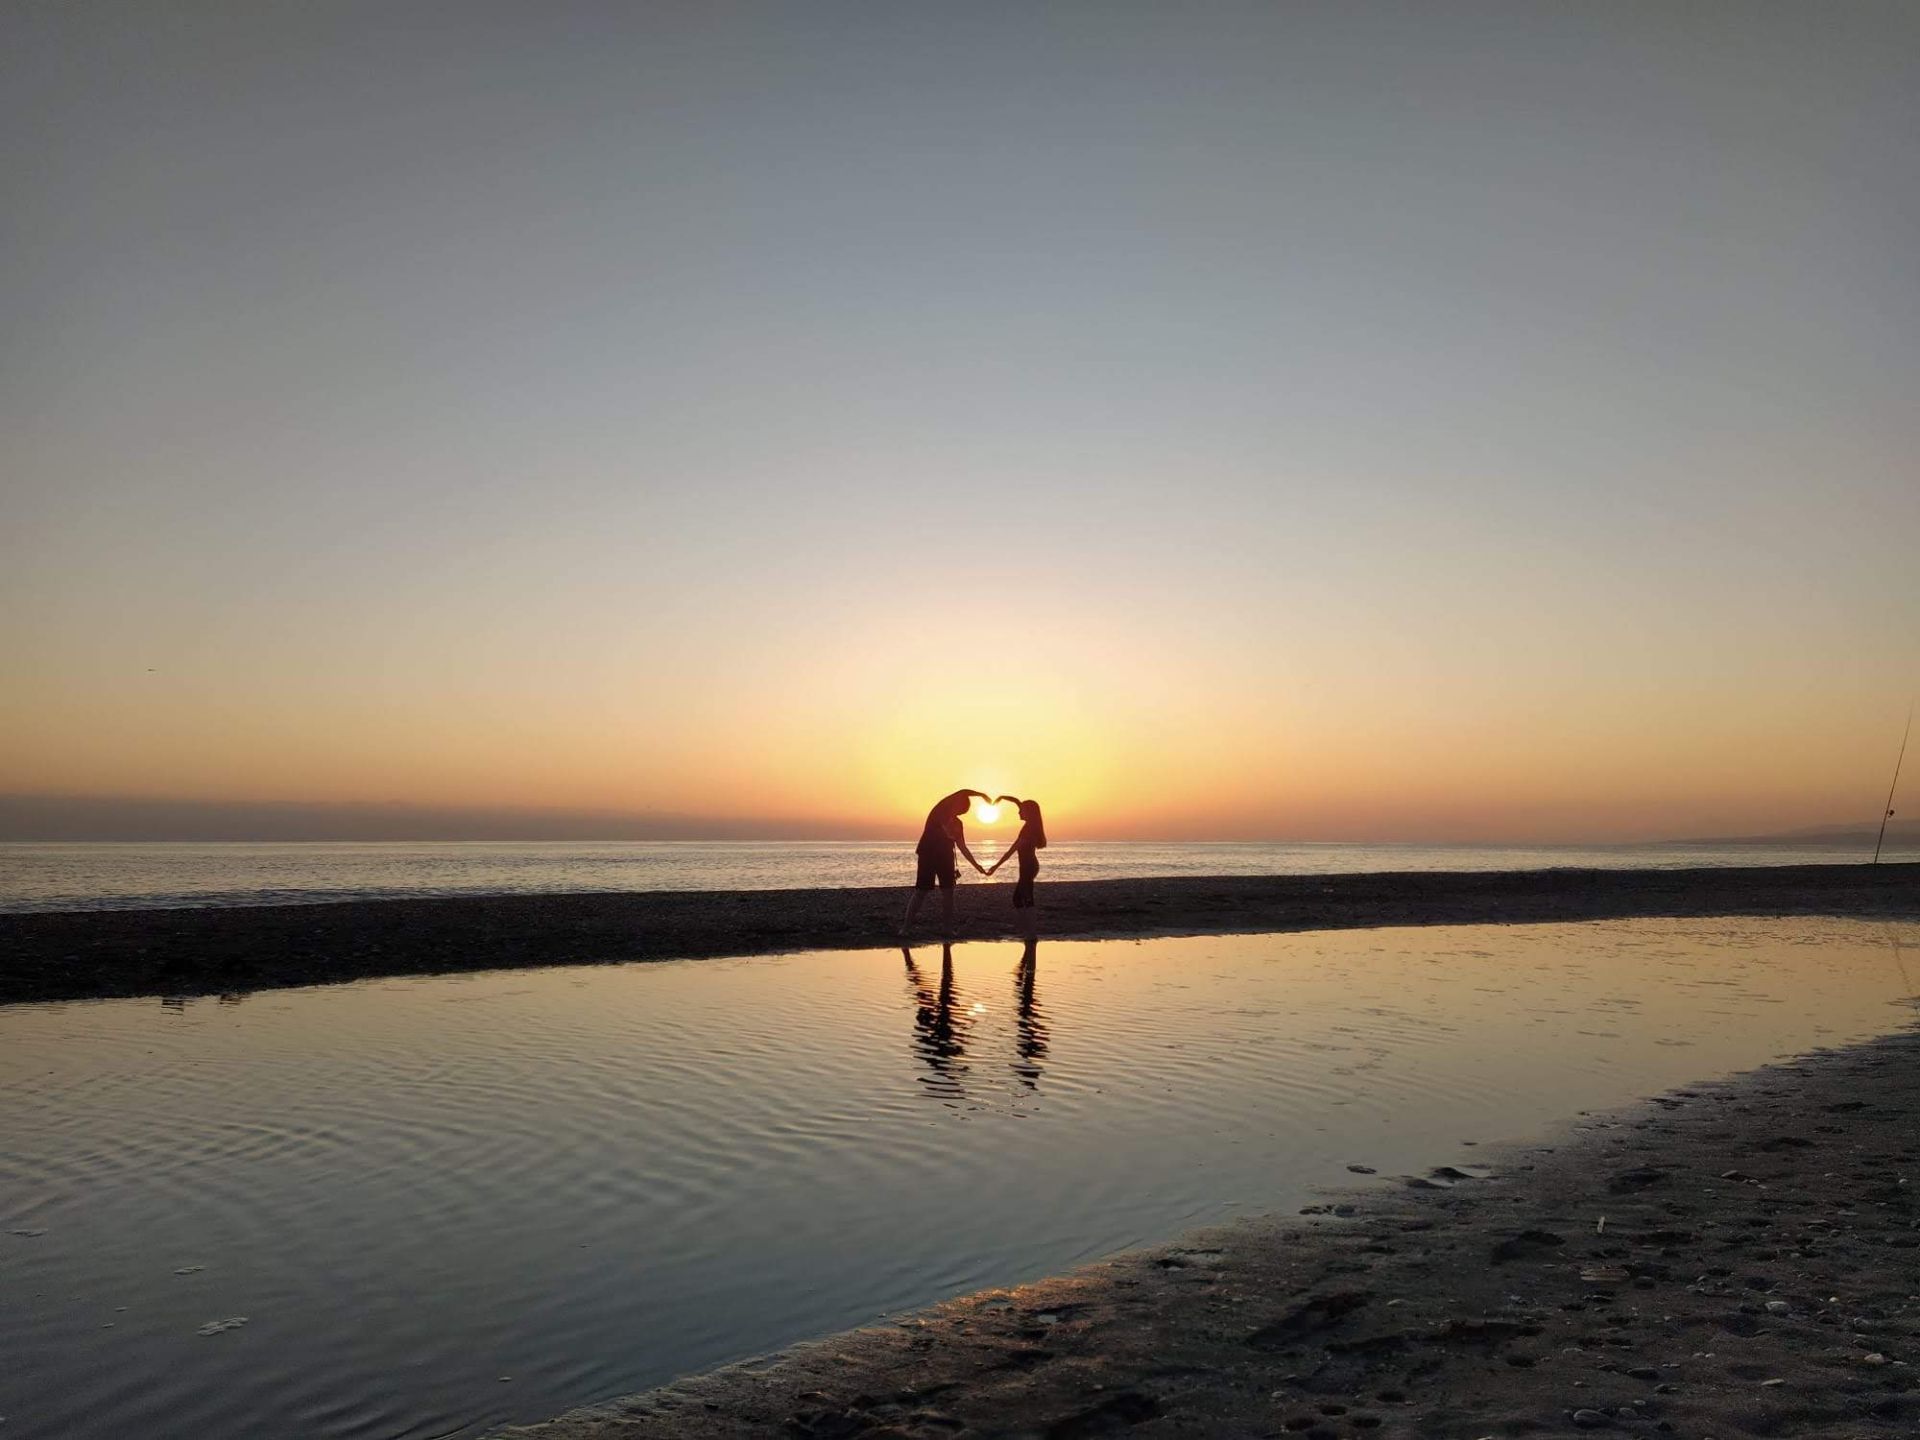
1894, 786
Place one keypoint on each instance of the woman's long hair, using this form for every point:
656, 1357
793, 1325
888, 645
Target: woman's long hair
1030, 812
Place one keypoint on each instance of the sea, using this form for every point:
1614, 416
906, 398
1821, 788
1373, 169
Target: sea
126, 876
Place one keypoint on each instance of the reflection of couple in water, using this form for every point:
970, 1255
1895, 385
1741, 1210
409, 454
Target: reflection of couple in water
942, 1021
943, 835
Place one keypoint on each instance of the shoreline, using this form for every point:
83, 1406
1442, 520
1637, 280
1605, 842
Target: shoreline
73, 955
1734, 1257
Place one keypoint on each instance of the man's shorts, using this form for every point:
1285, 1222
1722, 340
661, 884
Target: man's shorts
945, 870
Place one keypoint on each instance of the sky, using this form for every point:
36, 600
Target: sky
1296, 421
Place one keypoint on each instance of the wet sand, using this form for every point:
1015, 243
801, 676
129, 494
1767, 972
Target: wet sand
76, 955
1730, 1259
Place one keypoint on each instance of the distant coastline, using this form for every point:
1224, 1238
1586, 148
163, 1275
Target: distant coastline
83, 954
1899, 833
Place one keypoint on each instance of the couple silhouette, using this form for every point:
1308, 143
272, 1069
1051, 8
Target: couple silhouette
943, 1024
944, 834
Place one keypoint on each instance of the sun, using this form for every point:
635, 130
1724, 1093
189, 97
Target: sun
986, 814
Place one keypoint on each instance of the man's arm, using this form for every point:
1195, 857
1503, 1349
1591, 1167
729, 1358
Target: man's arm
960, 841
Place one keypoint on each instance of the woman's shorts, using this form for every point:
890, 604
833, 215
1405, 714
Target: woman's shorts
1023, 893
944, 870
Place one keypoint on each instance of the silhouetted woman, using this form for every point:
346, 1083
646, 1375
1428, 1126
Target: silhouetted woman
1030, 1025
939, 838
1032, 837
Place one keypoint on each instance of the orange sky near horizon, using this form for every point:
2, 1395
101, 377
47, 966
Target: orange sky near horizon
1127, 720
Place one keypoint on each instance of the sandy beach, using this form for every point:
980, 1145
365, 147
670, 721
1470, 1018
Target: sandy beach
74, 955
1733, 1258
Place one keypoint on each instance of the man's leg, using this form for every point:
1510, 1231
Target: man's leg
923, 878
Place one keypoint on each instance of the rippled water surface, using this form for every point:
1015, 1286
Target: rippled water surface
593, 1179
104, 876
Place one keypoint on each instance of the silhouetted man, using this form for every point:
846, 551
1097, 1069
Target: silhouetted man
939, 838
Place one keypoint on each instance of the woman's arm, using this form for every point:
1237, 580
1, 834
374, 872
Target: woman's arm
1003, 859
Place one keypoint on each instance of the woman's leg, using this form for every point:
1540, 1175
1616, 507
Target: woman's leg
1023, 905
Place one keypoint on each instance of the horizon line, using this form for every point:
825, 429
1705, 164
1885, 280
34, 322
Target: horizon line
97, 819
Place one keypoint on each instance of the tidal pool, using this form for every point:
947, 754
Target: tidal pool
425, 1207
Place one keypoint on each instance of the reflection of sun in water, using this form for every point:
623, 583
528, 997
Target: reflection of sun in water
986, 814
979, 1008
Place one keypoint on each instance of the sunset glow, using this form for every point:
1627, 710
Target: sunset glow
675, 675
513, 469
